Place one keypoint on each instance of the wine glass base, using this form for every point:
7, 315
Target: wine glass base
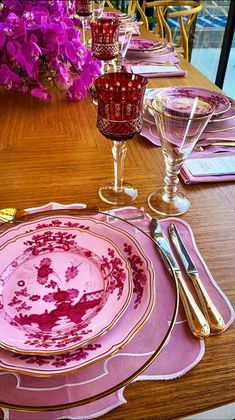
126, 195
179, 205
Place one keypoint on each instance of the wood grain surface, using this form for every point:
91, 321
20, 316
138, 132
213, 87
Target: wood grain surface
53, 152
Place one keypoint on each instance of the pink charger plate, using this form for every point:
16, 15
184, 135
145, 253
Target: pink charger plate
136, 315
62, 285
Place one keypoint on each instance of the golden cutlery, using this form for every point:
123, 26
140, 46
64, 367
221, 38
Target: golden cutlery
206, 146
210, 311
196, 320
10, 214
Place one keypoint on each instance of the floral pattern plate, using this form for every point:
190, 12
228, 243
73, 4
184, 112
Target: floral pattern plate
220, 101
61, 286
116, 15
136, 315
145, 44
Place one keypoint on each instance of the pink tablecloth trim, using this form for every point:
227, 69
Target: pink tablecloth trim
164, 368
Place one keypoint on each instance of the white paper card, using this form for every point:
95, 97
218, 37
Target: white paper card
213, 166
138, 69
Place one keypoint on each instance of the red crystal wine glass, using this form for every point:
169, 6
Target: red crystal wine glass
104, 40
84, 10
120, 107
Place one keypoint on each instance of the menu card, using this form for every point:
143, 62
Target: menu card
141, 69
221, 165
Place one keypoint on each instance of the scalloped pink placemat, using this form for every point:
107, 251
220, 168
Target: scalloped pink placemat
168, 365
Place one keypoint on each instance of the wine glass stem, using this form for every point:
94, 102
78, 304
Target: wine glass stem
171, 180
83, 19
119, 150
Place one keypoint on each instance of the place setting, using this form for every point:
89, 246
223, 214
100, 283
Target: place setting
88, 374
94, 300
213, 151
152, 58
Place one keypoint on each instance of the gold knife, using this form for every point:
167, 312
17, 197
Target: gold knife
196, 320
210, 311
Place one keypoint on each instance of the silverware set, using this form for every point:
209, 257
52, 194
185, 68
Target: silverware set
201, 321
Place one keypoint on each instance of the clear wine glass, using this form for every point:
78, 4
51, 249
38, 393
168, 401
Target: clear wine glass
180, 120
84, 10
98, 8
104, 41
125, 33
120, 104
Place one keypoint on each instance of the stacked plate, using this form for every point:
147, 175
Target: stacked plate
122, 17
222, 124
66, 282
144, 47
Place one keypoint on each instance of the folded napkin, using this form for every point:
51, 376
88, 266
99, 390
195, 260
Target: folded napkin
209, 167
156, 70
136, 30
169, 364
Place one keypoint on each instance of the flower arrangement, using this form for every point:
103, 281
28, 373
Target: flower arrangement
39, 41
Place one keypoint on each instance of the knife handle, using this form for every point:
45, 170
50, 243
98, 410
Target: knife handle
196, 320
212, 314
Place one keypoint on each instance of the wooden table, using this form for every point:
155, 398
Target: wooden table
53, 152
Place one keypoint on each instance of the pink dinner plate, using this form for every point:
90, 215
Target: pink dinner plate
116, 15
220, 101
62, 286
145, 44
136, 315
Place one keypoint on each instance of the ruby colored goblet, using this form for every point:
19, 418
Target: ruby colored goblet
120, 106
104, 40
84, 10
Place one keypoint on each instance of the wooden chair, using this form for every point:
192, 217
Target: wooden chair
109, 4
133, 7
185, 10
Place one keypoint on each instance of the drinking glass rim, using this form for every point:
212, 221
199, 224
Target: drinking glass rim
100, 21
124, 75
183, 116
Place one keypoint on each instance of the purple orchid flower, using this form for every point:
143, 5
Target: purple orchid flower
40, 38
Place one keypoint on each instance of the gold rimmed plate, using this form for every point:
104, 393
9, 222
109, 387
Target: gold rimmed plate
220, 102
135, 316
48, 394
62, 286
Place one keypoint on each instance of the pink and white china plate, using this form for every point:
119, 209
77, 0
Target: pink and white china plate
136, 315
218, 100
116, 15
61, 286
147, 48
145, 44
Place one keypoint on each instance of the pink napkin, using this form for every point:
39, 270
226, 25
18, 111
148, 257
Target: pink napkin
149, 132
136, 30
188, 178
23, 389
